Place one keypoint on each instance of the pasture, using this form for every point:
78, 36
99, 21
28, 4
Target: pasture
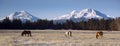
57, 38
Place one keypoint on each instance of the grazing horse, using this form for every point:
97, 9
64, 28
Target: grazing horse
99, 34
26, 32
68, 34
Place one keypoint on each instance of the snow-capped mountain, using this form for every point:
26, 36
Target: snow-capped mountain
23, 16
82, 15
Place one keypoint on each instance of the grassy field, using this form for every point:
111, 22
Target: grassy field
57, 38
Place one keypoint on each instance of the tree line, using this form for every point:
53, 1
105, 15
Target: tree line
91, 24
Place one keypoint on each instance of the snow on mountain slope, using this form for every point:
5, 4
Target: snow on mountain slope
83, 15
90, 13
23, 16
69, 16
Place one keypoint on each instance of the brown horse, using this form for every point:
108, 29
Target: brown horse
26, 32
99, 34
68, 34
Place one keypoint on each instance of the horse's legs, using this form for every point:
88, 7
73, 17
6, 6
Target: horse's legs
70, 35
97, 36
101, 36
22, 34
65, 35
30, 33
25, 34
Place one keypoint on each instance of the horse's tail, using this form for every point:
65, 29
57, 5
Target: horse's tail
30, 34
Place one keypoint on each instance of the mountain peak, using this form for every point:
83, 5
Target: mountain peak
23, 11
73, 12
91, 13
88, 10
23, 16
19, 12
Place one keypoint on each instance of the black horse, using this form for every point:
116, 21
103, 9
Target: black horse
26, 32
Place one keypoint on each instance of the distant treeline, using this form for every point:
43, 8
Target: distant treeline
91, 24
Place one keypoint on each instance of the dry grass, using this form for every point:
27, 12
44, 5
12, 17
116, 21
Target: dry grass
57, 38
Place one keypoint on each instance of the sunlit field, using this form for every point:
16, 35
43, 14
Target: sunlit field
57, 38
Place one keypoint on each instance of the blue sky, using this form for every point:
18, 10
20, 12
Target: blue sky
47, 9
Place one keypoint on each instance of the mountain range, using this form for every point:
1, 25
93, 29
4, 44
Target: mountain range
83, 15
76, 16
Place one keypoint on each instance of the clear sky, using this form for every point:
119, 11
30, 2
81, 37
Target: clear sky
47, 9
